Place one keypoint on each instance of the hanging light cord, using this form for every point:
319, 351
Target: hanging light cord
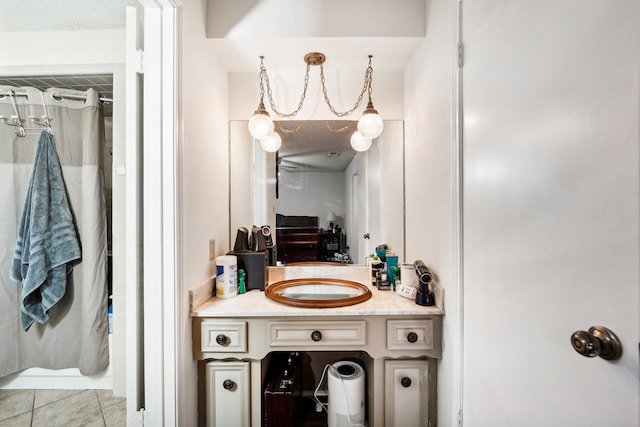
264, 78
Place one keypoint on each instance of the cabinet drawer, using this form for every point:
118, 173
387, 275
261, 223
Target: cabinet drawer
317, 334
223, 336
410, 334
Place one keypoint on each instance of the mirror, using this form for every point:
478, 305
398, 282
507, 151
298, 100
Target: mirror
318, 293
317, 182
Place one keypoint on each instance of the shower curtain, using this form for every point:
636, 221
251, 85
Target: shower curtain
76, 334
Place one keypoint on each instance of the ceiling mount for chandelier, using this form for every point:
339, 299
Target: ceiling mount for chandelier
261, 126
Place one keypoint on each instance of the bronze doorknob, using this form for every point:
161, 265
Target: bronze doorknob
598, 341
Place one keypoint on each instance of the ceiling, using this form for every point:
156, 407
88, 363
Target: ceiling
62, 15
315, 145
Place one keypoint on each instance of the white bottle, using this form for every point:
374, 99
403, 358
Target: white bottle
226, 276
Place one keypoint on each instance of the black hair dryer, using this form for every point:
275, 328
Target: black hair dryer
424, 296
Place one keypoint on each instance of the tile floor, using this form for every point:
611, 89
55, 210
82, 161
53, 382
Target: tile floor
56, 408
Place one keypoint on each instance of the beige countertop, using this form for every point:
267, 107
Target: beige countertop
256, 304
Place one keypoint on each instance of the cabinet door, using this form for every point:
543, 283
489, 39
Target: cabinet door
227, 394
408, 402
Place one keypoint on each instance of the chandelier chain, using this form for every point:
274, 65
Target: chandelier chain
338, 130
264, 78
285, 130
366, 88
260, 80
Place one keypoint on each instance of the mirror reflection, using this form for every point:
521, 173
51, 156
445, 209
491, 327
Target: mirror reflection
322, 200
319, 290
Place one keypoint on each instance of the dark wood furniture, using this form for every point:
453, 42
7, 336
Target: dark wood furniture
297, 238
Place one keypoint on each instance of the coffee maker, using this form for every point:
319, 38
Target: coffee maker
254, 254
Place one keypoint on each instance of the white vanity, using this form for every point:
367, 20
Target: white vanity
396, 341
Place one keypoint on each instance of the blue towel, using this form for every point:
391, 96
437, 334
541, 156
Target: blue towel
47, 240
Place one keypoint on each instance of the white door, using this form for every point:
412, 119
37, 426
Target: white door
551, 216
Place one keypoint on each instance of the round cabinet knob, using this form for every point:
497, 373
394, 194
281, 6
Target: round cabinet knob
316, 336
405, 382
228, 385
598, 341
412, 337
221, 339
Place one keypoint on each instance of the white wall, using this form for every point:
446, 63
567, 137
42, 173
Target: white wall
388, 184
382, 18
203, 181
350, 209
38, 48
428, 172
311, 194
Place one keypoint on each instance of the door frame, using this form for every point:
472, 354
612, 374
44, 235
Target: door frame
152, 222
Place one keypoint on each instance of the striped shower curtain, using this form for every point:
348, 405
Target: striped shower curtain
76, 334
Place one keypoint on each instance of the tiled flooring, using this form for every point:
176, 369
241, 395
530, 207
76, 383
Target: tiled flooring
56, 408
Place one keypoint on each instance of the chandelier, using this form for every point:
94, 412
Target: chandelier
261, 126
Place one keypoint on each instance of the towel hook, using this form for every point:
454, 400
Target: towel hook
17, 123
44, 120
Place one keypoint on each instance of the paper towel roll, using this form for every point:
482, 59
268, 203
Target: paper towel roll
346, 395
226, 276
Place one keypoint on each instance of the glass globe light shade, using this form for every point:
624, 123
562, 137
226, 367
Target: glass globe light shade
359, 142
370, 125
271, 142
260, 125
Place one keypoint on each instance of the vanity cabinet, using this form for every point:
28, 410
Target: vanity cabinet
227, 390
398, 341
408, 387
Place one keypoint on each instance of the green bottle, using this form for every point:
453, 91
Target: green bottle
241, 276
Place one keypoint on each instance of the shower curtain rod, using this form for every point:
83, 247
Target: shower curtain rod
59, 95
